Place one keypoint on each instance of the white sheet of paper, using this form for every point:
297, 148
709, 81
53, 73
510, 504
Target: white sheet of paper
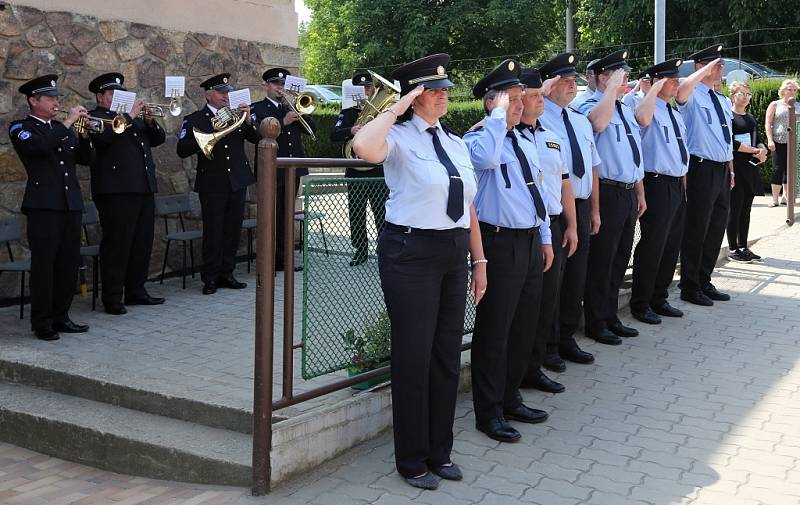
294, 83
238, 97
355, 93
122, 101
174, 86
743, 138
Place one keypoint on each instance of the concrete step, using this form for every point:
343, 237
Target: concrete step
122, 440
73, 383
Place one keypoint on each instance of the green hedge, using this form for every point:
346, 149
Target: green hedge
462, 115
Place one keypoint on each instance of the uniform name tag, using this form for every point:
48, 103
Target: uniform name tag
554, 145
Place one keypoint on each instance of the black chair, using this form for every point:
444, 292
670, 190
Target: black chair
11, 231
249, 225
177, 205
90, 218
301, 216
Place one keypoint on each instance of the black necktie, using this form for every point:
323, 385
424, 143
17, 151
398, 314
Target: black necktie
455, 195
629, 134
528, 176
684, 155
722, 121
577, 156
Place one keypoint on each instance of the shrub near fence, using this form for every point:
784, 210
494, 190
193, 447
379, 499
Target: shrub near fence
462, 115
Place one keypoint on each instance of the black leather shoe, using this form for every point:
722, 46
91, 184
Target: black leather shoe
448, 472
427, 481
144, 300
209, 288
621, 330
648, 316
500, 430
697, 298
116, 309
542, 382
711, 292
358, 258
230, 283
554, 363
604, 336
576, 355
667, 310
70, 327
48, 335
525, 414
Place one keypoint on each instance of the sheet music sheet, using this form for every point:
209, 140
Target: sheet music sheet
294, 83
238, 97
122, 101
174, 86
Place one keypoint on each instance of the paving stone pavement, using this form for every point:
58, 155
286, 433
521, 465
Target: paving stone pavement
699, 410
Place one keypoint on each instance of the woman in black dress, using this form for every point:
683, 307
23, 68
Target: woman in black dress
748, 153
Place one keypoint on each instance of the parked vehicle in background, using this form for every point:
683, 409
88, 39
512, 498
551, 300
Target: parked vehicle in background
326, 95
753, 69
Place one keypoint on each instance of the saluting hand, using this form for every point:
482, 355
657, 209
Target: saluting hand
404, 103
655, 88
711, 64
501, 101
547, 86
615, 81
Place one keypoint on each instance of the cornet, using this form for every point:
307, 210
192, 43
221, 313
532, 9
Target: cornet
92, 124
300, 103
159, 109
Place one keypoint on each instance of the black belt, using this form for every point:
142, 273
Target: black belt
555, 217
706, 160
653, 175
500, 229
425, 231
623, 185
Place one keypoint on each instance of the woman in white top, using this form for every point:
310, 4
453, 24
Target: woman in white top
430, 229
777, 129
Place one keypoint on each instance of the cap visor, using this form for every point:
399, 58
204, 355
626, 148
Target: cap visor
52, 92
224, 88
437, 84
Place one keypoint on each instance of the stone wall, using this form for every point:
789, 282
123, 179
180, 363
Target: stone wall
78, 48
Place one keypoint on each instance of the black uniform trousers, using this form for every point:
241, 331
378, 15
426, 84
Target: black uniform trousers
609, 255
127, 220
222, 228
54, 238
424, 280
573, 283
503, 339
657, 252
546, 341
707, 201
359, 194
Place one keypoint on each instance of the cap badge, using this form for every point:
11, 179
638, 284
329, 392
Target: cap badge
118, 81
719, 48
511, 65
678, 63
363, 78
53, 83
225, 80
624, 54
280, 74
571, 59
440, 70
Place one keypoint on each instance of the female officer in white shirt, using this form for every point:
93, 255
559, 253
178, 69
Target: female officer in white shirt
430, 228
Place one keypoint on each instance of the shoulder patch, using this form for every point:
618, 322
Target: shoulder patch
183, 133
24, 135
253, 118
553, 145
14, 127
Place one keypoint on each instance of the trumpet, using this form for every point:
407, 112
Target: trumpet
300, 103
85, 125
160, 109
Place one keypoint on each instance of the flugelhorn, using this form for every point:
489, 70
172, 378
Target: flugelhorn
300, 103
224, 122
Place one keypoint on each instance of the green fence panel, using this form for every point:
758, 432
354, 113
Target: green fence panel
344, 325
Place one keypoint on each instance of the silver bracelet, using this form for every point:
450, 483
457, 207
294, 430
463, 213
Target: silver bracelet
393, 112
475, 262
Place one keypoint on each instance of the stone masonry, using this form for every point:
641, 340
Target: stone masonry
79, 48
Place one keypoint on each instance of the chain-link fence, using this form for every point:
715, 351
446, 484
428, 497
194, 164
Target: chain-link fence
345, 325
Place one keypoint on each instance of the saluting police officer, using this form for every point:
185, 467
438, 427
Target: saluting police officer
621, 199
710, 178
123, 184
577, 140
635, 96
290, 145
515, 230
221, 184
665, 161
560, 204
358, 195
52, 203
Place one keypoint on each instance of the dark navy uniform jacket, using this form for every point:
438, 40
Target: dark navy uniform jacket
49, 153
290, 141
124, 161
229, 170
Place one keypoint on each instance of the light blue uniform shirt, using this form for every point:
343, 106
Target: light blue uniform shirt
554, 169
614, 146
662, 154
705, 137
503, 198
581, 97
553, 121
418, 182
633, 99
